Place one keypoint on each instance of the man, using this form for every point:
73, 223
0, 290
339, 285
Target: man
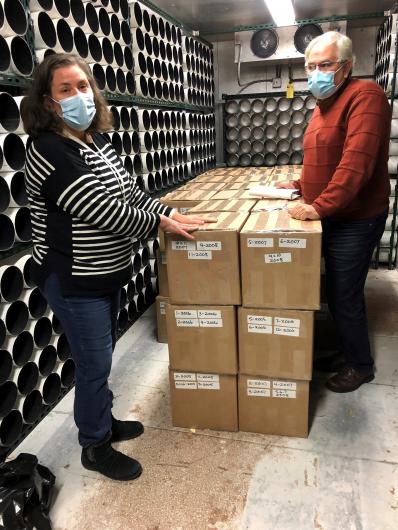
345, 183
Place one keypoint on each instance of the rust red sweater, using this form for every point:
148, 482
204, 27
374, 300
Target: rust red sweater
345, 173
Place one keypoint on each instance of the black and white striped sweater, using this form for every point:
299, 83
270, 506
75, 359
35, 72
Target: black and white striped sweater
86, 211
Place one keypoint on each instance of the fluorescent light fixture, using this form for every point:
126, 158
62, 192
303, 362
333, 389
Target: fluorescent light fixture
281, 11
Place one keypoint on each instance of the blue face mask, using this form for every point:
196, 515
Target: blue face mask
321, 84
78, 111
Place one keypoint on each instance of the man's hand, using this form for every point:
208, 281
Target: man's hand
303, 212
175, 227
286, 184
192, 219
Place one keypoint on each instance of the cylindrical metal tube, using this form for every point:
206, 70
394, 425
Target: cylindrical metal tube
50, 388
15, 316
12, 186
15, 20
47, 360
24, 264
10, 428
45, 34
11, 283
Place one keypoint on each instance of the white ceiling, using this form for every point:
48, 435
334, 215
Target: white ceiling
218, 16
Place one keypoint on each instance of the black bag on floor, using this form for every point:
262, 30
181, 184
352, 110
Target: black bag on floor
26, 489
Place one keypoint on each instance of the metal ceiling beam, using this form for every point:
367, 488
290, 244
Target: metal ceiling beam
334, 18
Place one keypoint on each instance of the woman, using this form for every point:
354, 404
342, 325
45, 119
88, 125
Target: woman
86, 211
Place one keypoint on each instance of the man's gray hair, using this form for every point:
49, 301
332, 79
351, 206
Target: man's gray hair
343, 43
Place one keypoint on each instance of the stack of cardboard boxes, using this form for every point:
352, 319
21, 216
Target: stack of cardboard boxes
204, 290
280, 271
240, 310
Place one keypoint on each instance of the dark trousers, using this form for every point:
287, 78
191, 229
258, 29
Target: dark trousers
90, 326
347, 249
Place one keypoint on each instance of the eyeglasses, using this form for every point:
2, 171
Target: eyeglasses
326, 66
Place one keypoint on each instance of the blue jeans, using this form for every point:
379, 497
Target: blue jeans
90, 326
347, 249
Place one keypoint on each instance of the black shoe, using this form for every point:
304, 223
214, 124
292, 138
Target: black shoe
331, 363
125, 430
103, 458
348, 380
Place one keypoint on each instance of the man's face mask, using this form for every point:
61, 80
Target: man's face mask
321, 84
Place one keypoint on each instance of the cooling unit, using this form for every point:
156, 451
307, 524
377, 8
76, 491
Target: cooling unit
280, 44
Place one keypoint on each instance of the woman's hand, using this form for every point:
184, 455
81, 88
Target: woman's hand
175, 227
286, 184
303, 212
192, 219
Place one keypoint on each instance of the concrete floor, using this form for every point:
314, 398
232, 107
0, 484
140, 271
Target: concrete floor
343, 477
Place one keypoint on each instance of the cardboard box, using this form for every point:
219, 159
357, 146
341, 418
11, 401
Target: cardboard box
206, 270
163, 282
203, 338
280, 261
281, 176
204, 401
273, 406
269, 205
183, 200
252, 177
204, 186
216, 178
234, 205
276, 342
290, 168
229, 195
246, 185
161, 305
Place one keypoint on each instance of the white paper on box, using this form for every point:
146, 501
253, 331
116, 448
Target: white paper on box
184, 376
208, 245
187, 322
186, 313
259, 328
284, 385
259, 319
215, 378
183, 245
291, 322
278, 257
258, 383
259, 392
210, 322
284, 394
209, 313
209, 385
162, 308
186, 385
285, 242
260, 242
292, 332
163, 258
183, 210
200, 254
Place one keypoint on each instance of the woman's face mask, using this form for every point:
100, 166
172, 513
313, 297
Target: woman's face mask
321, 84
78, 111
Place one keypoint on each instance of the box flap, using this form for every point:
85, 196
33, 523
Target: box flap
279, 221
229, 195
189, 195
226, 221
204, 186
234, 205
268, 205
